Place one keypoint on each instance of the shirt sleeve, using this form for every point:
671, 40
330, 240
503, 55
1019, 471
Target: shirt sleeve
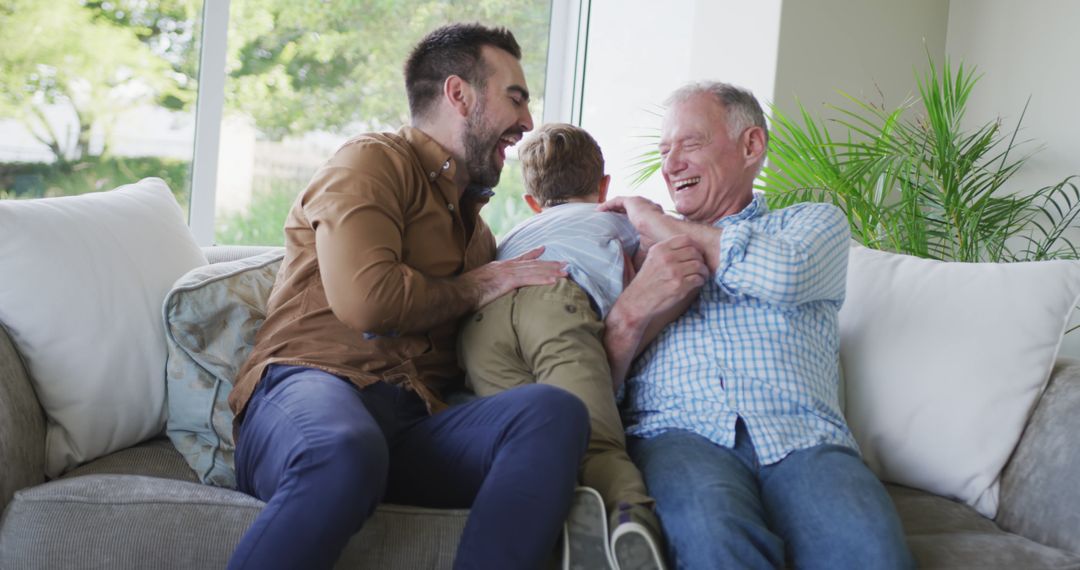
358, 214
792, 256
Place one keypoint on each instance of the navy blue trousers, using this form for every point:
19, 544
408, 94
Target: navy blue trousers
322, 454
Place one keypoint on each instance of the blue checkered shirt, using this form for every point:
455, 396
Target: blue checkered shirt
761, 342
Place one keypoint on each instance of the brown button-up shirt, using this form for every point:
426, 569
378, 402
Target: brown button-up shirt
377, 223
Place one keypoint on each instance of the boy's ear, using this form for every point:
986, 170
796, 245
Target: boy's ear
603, 187
533, 204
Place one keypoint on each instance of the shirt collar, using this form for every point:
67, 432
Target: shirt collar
755, 208
435, 160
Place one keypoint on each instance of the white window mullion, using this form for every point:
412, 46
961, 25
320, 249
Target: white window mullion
567, 47
209, 105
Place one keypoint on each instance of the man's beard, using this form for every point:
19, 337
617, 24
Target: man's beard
480, 141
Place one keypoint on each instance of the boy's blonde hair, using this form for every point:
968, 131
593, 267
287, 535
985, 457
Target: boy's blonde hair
559, 162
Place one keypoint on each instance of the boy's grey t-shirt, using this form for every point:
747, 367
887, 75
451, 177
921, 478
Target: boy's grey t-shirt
590, 242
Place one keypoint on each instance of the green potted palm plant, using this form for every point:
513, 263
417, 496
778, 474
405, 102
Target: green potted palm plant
920, 183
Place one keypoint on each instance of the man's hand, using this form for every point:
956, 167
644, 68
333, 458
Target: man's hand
647, 216
673, 270
671, 276
493, 280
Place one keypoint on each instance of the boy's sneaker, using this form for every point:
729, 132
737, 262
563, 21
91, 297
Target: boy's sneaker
635, 548
635, 544
585, 534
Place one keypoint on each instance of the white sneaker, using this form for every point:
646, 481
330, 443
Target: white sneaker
635, 548
585, 533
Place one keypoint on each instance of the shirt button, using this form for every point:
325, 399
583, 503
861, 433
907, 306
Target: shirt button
450, 206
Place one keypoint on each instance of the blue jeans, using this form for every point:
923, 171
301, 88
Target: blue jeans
817, 508
323, 454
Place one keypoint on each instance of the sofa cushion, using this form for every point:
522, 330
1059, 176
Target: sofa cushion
117, 522
944, 362
946, 534
1040, 497
22, 425
211, 317
154, 458
83, 282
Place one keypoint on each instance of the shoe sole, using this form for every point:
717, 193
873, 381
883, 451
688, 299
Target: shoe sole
585, 544
634, 550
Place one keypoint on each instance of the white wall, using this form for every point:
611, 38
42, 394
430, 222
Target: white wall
860, 47
640, 51
1026, 49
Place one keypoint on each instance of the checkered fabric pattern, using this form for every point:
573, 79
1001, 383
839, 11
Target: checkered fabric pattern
761, 342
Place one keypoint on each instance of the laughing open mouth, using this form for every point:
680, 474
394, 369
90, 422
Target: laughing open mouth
506, 141
685, 183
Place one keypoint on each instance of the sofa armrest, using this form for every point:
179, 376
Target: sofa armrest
22, 425
222, 253
1040, 498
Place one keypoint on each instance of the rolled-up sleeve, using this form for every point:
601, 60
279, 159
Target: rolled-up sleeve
798, 256
358, 214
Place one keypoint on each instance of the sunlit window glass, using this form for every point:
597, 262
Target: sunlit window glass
96, 94
303, 76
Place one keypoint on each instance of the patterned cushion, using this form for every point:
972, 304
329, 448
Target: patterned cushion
211, 317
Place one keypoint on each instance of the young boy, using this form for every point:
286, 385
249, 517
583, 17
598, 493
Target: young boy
553, 334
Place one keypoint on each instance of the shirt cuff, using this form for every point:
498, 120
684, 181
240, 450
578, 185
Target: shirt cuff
733, 243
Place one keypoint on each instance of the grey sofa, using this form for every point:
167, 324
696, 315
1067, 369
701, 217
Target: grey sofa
142, 507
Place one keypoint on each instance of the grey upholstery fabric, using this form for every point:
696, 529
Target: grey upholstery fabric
946, 534
127, 521
1040, 494
219, 253
123, 521
22, 425
154, 458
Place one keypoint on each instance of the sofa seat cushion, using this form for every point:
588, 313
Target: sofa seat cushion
154, 458
946, 534
130, 521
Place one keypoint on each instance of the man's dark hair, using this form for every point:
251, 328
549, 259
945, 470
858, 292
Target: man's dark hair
453, 49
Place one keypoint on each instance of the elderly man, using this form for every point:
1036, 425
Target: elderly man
339, 405
732, 412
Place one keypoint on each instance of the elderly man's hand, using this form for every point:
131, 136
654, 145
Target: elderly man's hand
492, 280
647, 216
668, 282
673, 271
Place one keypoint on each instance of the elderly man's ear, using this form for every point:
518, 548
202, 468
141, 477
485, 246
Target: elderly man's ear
753, 145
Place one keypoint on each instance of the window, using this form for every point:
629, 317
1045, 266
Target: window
96, 94
105, 92
302, 77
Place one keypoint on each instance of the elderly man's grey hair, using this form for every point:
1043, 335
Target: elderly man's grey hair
743, 109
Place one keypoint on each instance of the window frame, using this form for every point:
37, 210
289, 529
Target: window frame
567, 49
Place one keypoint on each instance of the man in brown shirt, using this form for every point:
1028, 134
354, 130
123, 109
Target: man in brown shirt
340, 404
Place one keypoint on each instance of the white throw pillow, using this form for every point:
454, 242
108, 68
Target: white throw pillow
83, 282
944, 362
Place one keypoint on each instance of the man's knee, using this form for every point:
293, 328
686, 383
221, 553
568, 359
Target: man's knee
558, 413
560, 403
356, 452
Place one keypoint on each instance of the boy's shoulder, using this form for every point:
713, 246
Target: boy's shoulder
566, 217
